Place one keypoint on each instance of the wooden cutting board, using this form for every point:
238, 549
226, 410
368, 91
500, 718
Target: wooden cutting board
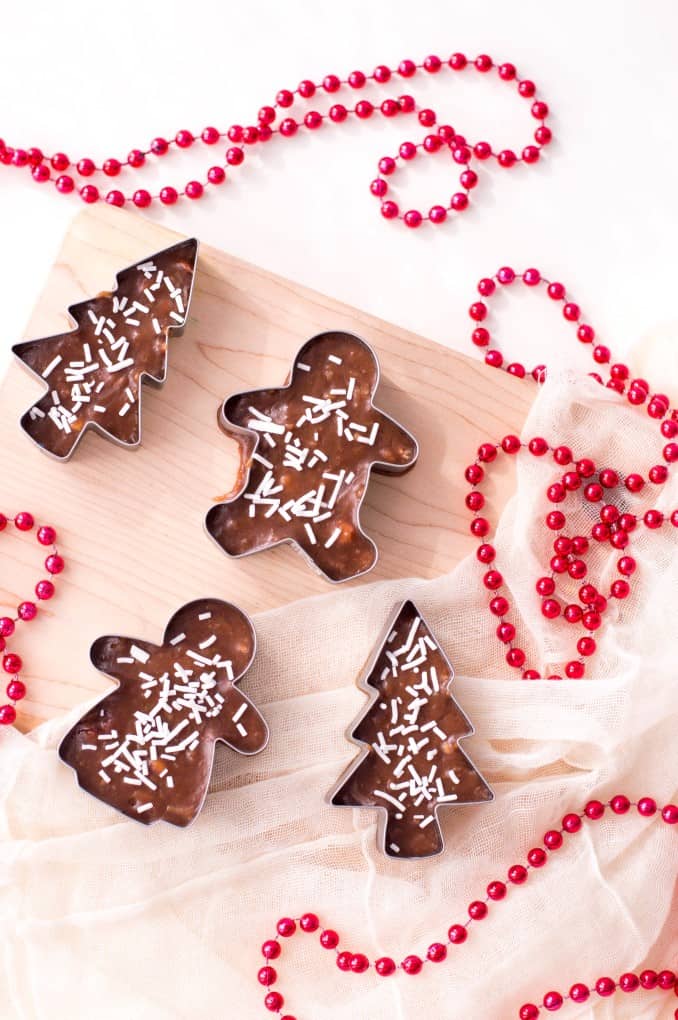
130, 522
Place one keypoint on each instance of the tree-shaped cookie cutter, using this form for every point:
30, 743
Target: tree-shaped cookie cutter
31, 355
375, 696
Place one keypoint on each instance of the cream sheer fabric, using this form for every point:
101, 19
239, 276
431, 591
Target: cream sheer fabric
103, 919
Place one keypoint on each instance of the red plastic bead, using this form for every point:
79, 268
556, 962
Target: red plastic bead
670, 814
537, 857
267, 976
16, 690
141, 198
60, 161
11, 663
486, 553
553, 1001
647, 806
329, 939
538, 446
385, 966
572, 823
115, 198
344, 961
194, 189
210, 135
64, 184
594, 810
234, 156
553, 840
412, 964
24, 521
517, 874
7, 715
436, 952
274, 1002
496, 890
270, 949
159, 146
579, 993
168, 195
27, 611
457, 934
605, 987
629, 982
529, 1011
359, 963
309, 922
286, 927
477, 910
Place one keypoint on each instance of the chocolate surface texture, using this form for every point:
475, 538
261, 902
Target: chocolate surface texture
307, 450
147, 748
411, 764
94, 373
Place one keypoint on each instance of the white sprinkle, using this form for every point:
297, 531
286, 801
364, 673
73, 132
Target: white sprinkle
333, 537
394, 847
52, 365
139, 654
335, 359
241, 729
310, 533
427, 821
241, 711
104, 775
303, 367
144, 807
170, 782
208, 641
124, 409
447, 797
176, 640
124, 658
119, 365
388, 797
453, 776
204, 616
88, 747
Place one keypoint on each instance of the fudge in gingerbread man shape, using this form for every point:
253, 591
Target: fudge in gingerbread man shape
306, 455
94, 372
147, 748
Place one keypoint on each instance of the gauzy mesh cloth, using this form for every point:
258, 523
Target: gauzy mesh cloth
102, 918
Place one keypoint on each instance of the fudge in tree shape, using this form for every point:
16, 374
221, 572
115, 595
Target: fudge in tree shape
94, 373
307, 450
147, 748
411, 764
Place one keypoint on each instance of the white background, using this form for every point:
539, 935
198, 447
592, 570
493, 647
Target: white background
598, 212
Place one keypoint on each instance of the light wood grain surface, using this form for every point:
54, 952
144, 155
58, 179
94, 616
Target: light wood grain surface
130, 522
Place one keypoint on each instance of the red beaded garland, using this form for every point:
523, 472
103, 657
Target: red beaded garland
462, 152
611, 525
26, 611
437, 952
